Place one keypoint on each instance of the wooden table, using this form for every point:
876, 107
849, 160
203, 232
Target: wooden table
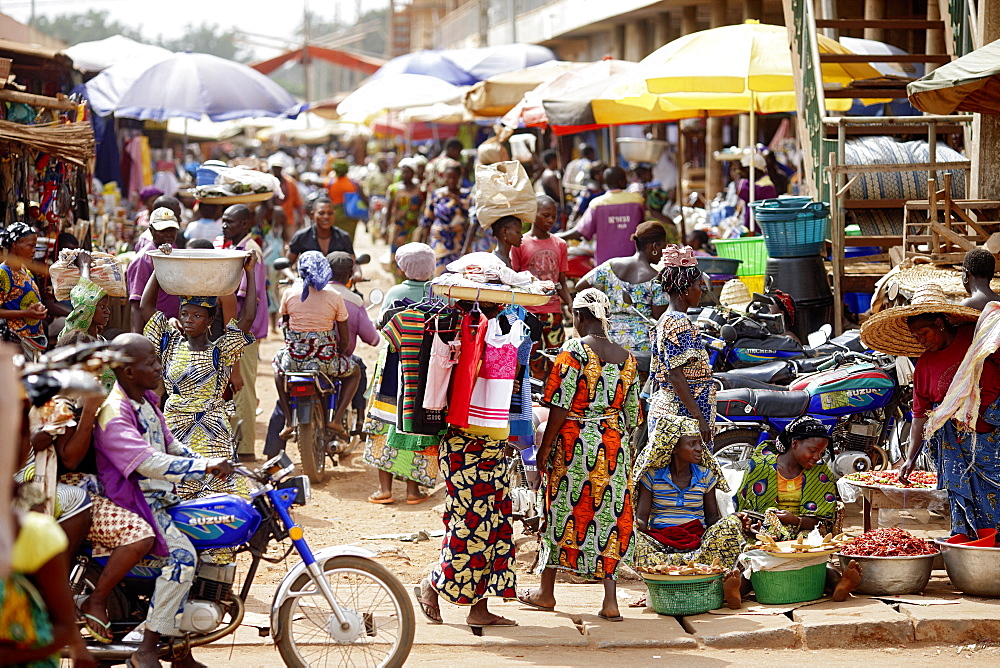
874, 498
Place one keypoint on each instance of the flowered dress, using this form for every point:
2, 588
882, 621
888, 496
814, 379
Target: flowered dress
195, 411
678, 344
406, 213
587, 501
449, 219
625, 327
18, 291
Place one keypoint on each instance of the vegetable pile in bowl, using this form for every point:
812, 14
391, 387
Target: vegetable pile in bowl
892, 542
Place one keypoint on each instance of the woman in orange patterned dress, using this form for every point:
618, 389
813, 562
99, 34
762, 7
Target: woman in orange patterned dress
593, 395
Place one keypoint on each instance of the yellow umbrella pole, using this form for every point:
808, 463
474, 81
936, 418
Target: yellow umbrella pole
753, 155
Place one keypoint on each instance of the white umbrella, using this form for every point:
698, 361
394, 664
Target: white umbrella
396, 91
101, 54
195, 85
106, 89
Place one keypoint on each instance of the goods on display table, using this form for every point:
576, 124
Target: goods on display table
882, 489
918, 479
891, 542
802, 547
893, 562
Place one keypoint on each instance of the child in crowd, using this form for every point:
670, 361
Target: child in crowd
507, 232
545, 256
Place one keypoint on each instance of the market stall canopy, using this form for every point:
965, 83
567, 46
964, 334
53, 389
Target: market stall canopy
431, 63
328, 108
499, 94
747, 57
563, 103
396, 91
307, 128
340, 57
864, 47
436, 113
194, 85
204, 129
101, 54
971, 83
489, 61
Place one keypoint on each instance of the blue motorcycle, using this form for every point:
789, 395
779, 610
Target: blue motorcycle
857, 396
336, 605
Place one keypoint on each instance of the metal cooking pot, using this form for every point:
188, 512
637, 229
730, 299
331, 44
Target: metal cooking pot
973, 570
199, 272
892, 576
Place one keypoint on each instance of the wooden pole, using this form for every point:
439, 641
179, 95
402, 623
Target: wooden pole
986, 127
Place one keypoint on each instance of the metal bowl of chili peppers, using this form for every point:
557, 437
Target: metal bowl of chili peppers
972, 569
892, 561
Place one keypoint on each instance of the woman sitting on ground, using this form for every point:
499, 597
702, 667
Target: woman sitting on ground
788, 491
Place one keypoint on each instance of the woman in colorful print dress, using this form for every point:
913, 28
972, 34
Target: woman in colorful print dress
593, 394
21, 310
633, 276
448, 218
196, 372
679, 367
405, 204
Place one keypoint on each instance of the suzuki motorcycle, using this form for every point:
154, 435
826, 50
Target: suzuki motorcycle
860, 401
336, 605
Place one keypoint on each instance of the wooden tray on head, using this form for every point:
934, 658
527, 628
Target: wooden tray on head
491, 295
246, 198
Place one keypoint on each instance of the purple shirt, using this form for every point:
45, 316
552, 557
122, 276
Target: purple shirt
358, 322
137, 276
612, 217
120, 448
260, 321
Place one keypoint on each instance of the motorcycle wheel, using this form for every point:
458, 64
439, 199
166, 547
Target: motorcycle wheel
363, 587
733, 448
311, 446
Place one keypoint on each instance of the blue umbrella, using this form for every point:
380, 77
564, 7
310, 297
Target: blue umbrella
432, 63
195, 85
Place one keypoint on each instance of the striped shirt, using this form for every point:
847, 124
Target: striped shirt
405, 332
672, 506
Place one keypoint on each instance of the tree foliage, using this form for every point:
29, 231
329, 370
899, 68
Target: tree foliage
87, 26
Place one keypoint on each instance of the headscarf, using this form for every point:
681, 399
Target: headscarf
680, 269
416, 261
314, 270
595, 301
204, 302
787, 303
799, 429
84, 297
659, 453
14, 233
339, 167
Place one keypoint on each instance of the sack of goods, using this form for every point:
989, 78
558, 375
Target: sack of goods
105, 271
504, 189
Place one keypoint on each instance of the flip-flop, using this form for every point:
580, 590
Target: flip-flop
425, 607
477, 629
616, 618
106, 626
522, 597
641, 603
413, 502
373, 499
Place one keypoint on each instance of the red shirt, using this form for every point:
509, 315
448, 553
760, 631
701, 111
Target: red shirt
935, 370
546, 259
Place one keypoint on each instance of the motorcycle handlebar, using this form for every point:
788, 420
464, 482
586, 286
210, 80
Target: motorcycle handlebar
841, 358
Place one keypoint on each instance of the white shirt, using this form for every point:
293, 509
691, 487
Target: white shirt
204, 228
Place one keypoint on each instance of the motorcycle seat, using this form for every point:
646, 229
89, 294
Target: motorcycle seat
745, 402
778, 373
731, 381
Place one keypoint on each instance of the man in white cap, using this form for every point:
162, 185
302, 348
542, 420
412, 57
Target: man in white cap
163, 227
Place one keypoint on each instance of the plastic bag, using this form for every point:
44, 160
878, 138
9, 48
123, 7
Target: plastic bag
504, 189
105, 271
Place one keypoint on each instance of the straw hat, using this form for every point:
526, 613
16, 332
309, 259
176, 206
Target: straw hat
887, 331
735, 295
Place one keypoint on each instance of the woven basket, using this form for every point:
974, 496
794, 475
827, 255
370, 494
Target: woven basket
780, 587
686, 598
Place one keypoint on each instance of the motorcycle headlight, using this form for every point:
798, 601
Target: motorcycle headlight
301, 484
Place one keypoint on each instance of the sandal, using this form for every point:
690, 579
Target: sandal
286, 433
98, 624
413, 502
374, 498
429, 611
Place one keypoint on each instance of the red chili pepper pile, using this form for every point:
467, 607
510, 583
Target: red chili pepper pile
892, 542
918, 479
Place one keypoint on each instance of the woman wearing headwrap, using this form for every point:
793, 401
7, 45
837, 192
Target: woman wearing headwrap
22, 314
635, 277
593, 395
676, 513
196, 372
447, 218
316, 336
679, 367
788, 483
416, 262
